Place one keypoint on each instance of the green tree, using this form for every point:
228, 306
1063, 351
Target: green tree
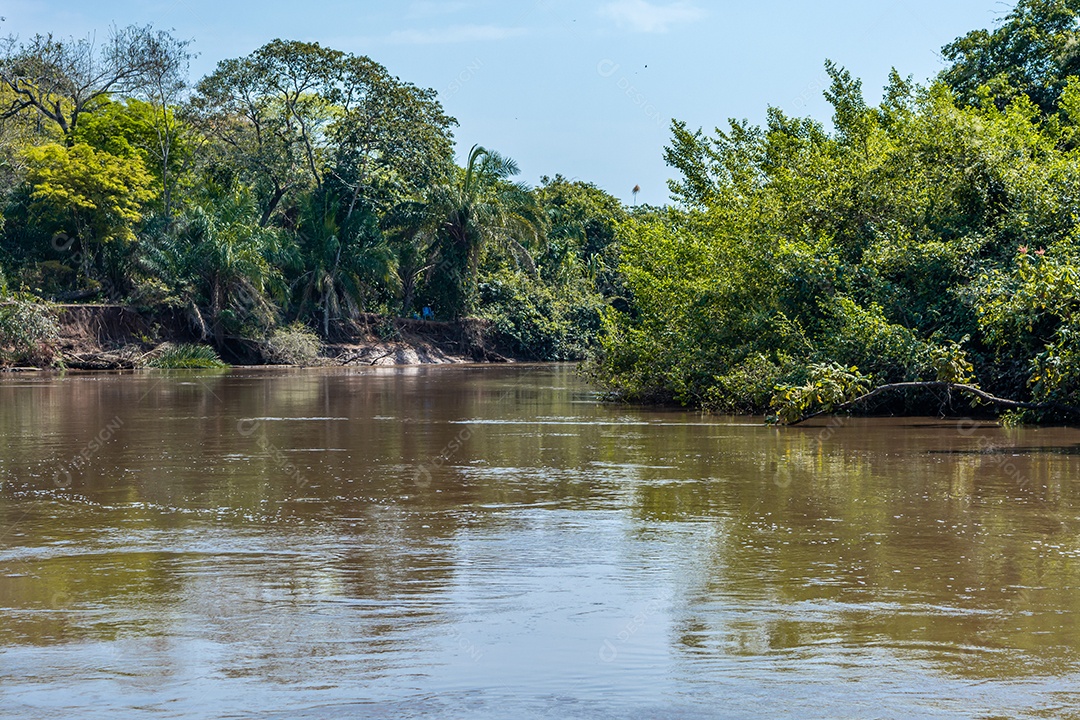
480, 207
1032, 52
886, 245
134, 128
61, 80
343, 257
90, 195
224, 265
293, 116
554, 314
164, 87
269, 111
582, 221
16, 134
390, 139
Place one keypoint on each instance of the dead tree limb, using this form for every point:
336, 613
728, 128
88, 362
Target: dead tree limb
938, 385
362, 357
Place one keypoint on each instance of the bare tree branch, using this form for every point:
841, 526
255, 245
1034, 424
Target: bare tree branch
62, 79
969, 389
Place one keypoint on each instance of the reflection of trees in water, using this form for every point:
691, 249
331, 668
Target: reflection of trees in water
54, 598
871, 541
360, 539
197, 524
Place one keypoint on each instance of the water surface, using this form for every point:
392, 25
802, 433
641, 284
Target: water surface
489, 542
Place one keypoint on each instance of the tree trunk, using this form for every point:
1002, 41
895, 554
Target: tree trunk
215, 310
275, 199
326, 314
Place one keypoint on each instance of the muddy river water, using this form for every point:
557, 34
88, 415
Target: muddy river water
495, 542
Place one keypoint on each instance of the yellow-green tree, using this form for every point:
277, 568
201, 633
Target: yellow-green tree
89, 195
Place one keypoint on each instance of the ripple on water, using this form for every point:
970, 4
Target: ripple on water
565, 559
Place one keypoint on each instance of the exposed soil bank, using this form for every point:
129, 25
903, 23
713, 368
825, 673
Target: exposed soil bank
106, 337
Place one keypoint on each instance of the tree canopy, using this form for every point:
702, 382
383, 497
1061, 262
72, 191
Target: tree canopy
1033, 52
912, 251
297, 184
922, 240
60, 80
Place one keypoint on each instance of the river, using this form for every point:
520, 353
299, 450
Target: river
496, 542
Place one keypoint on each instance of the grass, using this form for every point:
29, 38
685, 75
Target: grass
186, 357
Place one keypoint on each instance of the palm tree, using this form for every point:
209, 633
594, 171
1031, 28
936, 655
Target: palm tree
343, 259
410, 227
222, 261
457, 220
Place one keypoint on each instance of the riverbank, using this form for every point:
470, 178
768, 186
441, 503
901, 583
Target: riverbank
114, 337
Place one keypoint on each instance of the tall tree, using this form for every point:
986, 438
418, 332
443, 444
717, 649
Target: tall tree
1032, 52
92, 196
296, 115
136, 128
164, 87
17, 134
270, 111
481, 206
343, 257
391, 138
62, 79
582, 222
223, 264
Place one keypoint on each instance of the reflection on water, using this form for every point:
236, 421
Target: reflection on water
494, 542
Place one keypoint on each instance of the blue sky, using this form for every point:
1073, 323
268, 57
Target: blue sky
586, 88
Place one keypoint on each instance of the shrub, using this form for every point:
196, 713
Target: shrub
292, 345
533, 321
29, 330
862, 336
747, 387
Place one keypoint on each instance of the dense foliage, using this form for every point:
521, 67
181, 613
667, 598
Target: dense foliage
290, 192
933, 237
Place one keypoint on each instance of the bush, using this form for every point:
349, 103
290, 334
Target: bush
292, 345
533, 321
29, 330
747, 388
919, 241
863, 336
184, 357
50, 278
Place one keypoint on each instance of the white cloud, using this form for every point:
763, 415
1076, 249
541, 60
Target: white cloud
646, 17
454, 34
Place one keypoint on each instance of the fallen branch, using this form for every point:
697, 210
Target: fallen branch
388, 353
363, 357
938, 385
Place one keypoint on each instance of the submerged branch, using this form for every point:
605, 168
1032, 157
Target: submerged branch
939, 385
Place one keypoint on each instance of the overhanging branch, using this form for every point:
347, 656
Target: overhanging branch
938, 385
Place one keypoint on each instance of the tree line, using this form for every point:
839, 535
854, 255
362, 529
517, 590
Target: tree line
298, 184
921, 254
